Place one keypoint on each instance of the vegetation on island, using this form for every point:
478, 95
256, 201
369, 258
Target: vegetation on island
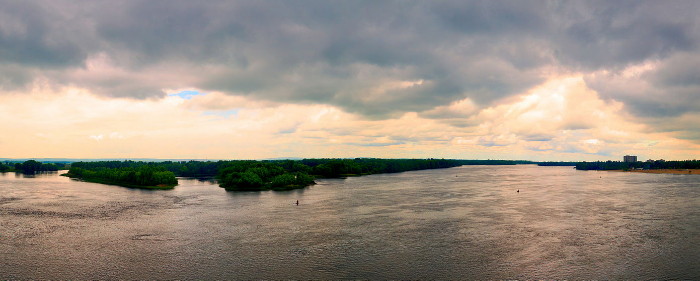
195, 169
28, 167
140, 176
648, 165
264, 175
5, 168
33, 166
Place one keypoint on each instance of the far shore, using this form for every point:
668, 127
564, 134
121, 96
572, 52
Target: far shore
665, 171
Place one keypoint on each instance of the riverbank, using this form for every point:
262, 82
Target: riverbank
665, 171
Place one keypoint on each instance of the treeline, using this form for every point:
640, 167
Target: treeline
28, 167
333, 168
179, 168
649, 165
140, 176
493, 162
560, 163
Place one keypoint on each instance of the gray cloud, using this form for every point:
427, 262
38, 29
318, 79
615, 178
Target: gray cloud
671, 89
13, 77
614, 34
345, 53
30, 36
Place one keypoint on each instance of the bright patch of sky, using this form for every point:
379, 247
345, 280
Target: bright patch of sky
222, 113
187, 95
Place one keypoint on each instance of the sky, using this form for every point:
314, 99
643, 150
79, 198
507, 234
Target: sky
533, 80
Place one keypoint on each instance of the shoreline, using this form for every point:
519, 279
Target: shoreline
665, 171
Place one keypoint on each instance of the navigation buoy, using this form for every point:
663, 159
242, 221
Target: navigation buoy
297, 202
518, 191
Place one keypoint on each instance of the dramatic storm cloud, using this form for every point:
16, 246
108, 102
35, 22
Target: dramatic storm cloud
449, 64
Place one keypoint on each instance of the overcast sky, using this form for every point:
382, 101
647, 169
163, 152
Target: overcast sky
537, 80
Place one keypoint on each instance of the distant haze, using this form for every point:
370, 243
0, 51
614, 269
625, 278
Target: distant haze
536, 80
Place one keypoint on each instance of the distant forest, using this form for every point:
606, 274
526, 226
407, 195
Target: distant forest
649, 165
494, 162
561, 163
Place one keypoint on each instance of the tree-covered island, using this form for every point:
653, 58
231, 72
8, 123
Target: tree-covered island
264, 175
138, 176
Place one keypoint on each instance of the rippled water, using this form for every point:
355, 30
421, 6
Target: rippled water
460, 223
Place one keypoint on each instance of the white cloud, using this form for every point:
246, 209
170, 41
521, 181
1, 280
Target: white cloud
563, 118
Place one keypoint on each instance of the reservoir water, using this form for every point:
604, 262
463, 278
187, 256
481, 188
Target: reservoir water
459, 223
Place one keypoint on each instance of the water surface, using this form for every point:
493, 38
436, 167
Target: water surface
459, 223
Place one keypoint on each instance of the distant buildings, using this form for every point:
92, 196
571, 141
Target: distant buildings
629, 158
